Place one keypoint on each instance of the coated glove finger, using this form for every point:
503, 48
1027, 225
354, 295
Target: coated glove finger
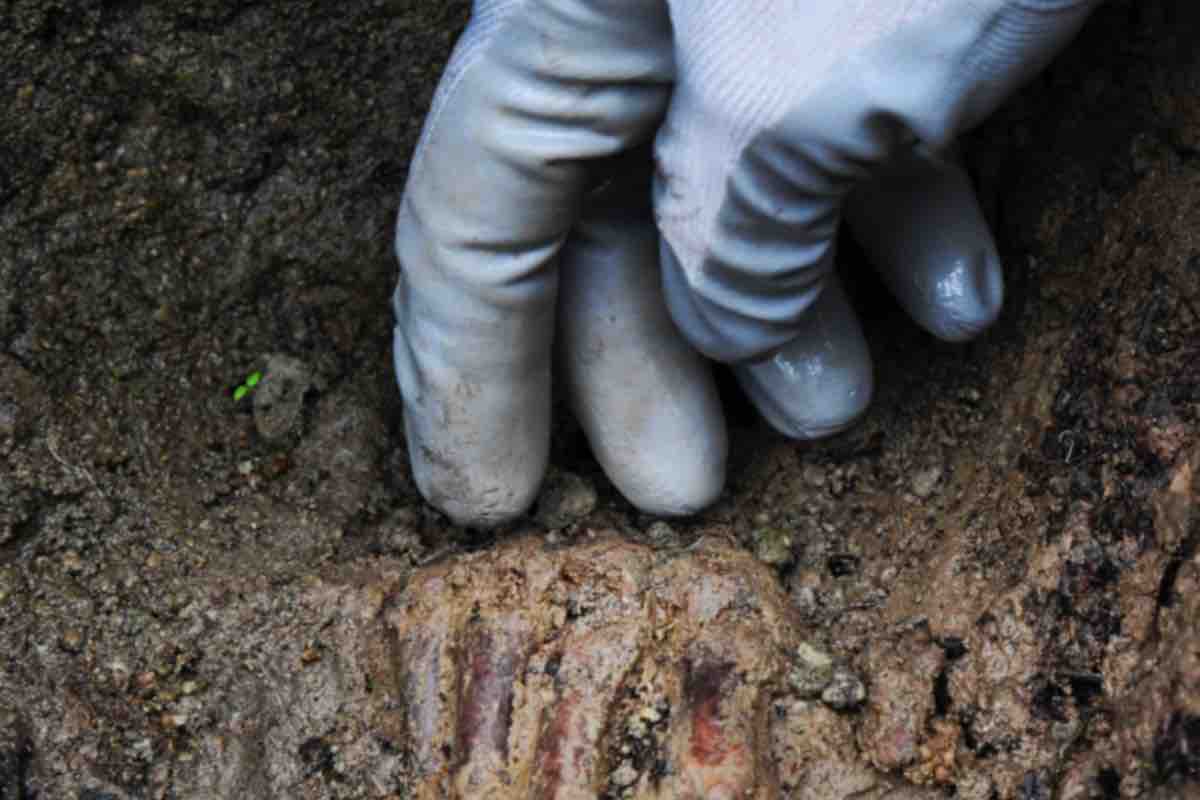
923, 229
645, 398
781, 109
821, 381
534, 88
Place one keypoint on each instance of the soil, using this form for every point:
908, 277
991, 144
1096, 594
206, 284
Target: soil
996, 574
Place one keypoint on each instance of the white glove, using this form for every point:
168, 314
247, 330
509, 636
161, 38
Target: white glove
775, 116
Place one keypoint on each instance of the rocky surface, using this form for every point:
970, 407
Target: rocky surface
989, 589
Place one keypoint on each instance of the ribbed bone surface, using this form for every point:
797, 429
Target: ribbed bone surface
605, 669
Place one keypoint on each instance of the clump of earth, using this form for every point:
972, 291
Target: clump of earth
989, 589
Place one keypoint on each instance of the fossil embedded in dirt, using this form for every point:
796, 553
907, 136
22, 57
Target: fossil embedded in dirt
607, 669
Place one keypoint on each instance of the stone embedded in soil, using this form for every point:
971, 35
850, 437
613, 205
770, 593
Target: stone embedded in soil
925, 481
279, 397
340, 460
812, 670
773, 546
662, 534
566, 498
844, 691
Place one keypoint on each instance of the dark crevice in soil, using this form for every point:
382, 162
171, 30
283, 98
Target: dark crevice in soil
14, 769
942, 700
270, 160
23, 532
954, 649
1166, 587
1109, 781
1177, 749
1049, 700
1086, 687
27, 529
843, 564
318, 757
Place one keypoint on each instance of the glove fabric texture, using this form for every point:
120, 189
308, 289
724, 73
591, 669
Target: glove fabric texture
771, 121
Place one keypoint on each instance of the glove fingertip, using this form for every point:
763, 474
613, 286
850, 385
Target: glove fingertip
822, 381
969, 297
471, 501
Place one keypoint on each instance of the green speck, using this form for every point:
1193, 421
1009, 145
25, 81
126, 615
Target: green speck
251, 381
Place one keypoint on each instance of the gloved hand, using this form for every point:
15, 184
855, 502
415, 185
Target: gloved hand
774, 119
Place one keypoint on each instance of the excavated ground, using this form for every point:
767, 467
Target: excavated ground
988, 590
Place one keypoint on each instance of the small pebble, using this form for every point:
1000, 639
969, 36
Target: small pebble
661, 534
845, 691
71, 562
72, 640
279, 397
650, 714
805, 599
624, 775
814, 476
566, 498
812, 671
923, 482
174, 721
773, 546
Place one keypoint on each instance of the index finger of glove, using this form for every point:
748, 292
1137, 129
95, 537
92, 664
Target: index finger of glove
534, 90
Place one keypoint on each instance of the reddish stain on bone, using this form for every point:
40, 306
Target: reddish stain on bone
703, 685
486, 712
550, 748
